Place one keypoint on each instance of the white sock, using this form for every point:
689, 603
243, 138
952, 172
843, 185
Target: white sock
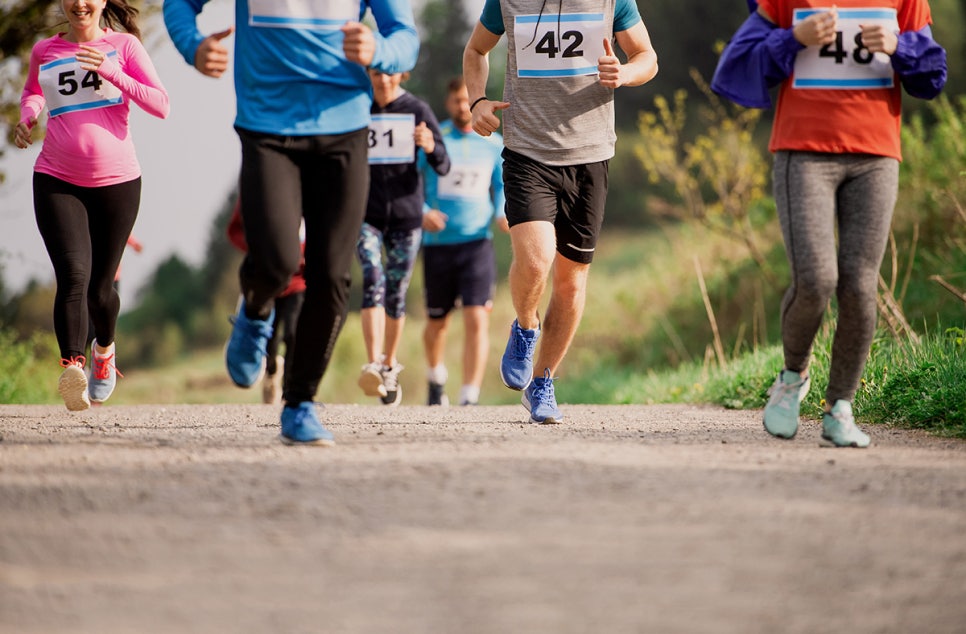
469, 394
437, 374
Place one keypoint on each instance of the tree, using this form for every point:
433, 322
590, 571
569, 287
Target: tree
444, 31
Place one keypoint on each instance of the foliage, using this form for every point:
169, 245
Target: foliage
29, 368
444, 30
718, 173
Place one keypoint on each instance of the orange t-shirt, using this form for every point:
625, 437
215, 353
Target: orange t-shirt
840, 98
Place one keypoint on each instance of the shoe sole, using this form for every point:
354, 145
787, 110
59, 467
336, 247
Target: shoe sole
549, 420
852, 444
372, 385
782, 436
73, 389
321, 442
514, 387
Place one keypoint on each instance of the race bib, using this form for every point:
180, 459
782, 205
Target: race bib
845, 63
317, 15
391, 139
545, 48
68, 87
470, 180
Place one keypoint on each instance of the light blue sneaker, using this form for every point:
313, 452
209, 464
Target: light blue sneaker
838, 427
516, 367
301, 426
246, 348
785, 396
103, 375
540, 400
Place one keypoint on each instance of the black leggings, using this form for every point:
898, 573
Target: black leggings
325, 181
85, 230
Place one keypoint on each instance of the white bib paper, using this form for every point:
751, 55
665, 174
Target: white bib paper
846, 64
391, 139
545, 50
469, 180
68, 87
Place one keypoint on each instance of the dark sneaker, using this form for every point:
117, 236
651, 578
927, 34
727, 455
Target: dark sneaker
245, 352
540, 400
103, 375
390, 380
516, 367
784, 398
301, 426
437, 395
839, 428
73, 384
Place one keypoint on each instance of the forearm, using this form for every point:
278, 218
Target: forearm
180, 19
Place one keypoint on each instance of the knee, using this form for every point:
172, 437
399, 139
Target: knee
817, 289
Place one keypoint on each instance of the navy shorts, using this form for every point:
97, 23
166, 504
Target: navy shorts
571, 197
464, 272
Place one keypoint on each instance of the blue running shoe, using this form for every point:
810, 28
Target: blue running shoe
516, 368
539, 399
246, 348
301, 426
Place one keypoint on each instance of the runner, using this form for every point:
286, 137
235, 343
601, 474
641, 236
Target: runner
402, 125
87, 179
836, 145
458, 260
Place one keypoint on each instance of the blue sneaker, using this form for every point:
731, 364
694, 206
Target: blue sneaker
516, 368
301, 426
246, 348
539, 399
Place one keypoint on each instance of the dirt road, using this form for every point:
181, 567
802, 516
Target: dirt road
464, 520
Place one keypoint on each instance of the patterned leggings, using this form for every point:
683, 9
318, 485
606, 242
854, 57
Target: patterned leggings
387, 285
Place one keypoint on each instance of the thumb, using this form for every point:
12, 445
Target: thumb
608, 48
220, 35
501, 105
31, 122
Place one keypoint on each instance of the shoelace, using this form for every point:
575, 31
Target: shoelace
391, 376
262, 330
543, 393
787, 394
523, 346
79, 360
103, 365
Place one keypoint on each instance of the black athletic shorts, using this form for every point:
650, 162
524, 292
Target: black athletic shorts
572, 197
464, 271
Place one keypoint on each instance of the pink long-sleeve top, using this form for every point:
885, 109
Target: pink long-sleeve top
88, 140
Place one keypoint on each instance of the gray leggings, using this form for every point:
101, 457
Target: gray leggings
815, 194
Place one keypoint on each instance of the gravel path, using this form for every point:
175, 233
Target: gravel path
463, 520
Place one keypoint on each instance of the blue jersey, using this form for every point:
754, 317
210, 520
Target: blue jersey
471, 194
291, 76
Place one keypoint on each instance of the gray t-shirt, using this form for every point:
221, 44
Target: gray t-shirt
559, 113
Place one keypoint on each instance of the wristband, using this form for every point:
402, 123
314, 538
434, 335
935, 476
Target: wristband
473, 105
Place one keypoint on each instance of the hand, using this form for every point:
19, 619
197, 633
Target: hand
434, 220
879, 39
21, 135
817, 29
424, 138
211, 57
358, 44
484, 121
90, 58
609, 67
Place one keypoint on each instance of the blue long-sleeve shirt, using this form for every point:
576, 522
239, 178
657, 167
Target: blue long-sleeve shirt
291, 76
474, 196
